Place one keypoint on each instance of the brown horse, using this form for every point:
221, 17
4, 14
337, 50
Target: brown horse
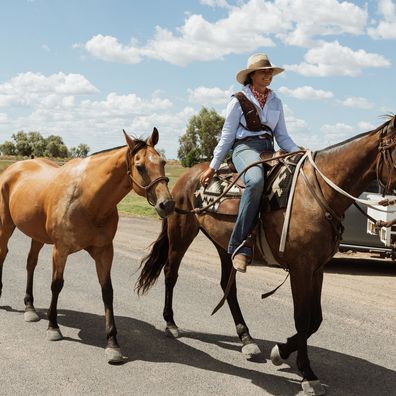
73, 207
313, 236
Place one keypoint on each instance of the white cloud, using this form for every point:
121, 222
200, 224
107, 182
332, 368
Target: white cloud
386, 28
332, 59
248, 26
210, 96
306, 93
366, 126
311, 19
3, 118
335, 133
109, 49
29, 88
357, 102
215, 3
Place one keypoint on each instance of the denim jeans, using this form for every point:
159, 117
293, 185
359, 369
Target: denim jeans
244, 154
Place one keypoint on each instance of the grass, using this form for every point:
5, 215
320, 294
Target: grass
132, 204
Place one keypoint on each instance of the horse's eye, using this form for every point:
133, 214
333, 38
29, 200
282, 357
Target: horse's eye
140, 168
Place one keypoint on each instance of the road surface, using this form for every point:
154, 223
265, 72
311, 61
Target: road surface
353, 353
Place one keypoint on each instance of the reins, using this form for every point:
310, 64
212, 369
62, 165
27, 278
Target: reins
134, 181
239, 175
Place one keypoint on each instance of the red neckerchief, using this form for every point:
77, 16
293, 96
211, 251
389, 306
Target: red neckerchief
262, 98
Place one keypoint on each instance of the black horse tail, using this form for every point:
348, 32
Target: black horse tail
153, 263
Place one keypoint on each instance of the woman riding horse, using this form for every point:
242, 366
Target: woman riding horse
313, 235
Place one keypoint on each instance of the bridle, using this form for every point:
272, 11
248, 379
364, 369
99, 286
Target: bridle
384, 154
130, 154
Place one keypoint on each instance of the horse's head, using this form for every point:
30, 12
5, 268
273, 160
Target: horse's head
146, 169
386, 161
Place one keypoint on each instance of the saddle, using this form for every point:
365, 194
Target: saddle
279, 175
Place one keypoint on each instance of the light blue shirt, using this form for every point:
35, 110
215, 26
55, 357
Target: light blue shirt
271, 115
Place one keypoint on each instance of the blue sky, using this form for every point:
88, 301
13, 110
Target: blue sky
86, 69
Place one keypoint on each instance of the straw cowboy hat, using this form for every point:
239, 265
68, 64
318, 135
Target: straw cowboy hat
257, 62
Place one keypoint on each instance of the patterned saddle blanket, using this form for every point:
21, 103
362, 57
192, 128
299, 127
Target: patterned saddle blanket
278, 183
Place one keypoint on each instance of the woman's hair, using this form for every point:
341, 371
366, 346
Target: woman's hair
248, 79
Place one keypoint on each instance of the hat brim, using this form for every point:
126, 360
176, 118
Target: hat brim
242, 75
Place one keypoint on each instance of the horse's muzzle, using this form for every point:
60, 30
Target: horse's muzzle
166, 207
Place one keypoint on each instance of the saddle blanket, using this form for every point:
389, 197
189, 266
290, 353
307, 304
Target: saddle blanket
278, 184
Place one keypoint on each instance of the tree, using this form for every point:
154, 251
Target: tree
8, 148
81, 151
201, 137
22, 144
56, 147
37, 143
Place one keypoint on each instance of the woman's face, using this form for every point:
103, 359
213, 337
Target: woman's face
261, 78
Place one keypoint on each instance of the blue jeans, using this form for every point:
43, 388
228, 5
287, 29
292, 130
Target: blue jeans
244, 154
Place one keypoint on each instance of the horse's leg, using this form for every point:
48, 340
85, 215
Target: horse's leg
30, 314
249, 347
181, 232
58, 266
7, 227
103, 257
306, 289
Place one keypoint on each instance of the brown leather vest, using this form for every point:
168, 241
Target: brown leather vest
252, 117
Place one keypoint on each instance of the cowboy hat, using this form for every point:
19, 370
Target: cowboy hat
257, 62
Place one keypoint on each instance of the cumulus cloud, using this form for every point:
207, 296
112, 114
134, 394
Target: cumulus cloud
310, 19
57, 104
31, 88
247, 26
385, 28
357, 102
306, 93
332, 59
215, 3
108, 48
210, 96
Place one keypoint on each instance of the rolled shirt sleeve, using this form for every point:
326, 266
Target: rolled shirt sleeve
228, 133
285, 142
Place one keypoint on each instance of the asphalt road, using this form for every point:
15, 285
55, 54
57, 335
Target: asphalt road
353, 353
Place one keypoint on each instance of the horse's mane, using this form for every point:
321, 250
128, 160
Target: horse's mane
356, 137
139, 144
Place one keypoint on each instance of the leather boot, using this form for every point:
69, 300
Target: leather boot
240, 262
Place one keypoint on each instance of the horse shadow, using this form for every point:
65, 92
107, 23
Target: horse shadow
141, 341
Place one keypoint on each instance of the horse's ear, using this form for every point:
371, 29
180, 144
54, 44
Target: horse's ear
129, 140
153, 139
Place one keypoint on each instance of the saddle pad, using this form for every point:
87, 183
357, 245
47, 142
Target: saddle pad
277, 191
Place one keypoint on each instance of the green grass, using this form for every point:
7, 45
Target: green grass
135, 205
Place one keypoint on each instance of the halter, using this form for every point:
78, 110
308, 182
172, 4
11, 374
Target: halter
133, 152
385, 156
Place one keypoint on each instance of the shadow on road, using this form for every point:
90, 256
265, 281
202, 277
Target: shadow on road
139, 340
361, 266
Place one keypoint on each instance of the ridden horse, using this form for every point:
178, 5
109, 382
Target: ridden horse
74, 207
313, 235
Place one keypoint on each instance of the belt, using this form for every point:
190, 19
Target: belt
265, 136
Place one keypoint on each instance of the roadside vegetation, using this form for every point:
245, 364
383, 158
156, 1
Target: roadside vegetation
195, 145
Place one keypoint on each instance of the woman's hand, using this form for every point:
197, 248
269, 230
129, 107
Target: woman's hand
206, 176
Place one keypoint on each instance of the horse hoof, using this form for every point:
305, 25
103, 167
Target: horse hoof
31, 316
312, 388
251, 350
114, 355
172, 332
54, 335
275, 357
